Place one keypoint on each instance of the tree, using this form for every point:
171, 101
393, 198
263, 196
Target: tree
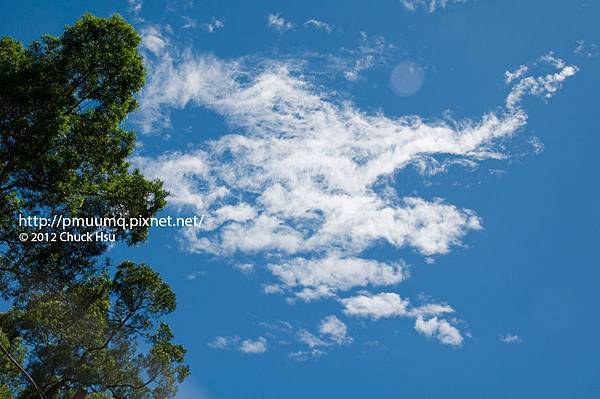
77, 324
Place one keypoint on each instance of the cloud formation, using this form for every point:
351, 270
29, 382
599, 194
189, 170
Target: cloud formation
370, 51
253, 347
428, 5
247, 346
318, 25
213, 25
315, 278
308, 182
510, 338
332, 332
335, 330
153, 40
388, 304
278, 23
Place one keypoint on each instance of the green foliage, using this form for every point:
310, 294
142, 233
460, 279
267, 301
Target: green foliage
90, 333
62, 149
77, 324
9, 376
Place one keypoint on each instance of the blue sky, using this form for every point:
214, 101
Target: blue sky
431, 235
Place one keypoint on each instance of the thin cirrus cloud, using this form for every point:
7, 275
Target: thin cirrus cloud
308, 181
370, 51
428, 5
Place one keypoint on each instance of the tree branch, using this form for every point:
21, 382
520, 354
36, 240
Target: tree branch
22, 370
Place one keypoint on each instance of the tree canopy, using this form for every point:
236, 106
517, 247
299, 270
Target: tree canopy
77, 323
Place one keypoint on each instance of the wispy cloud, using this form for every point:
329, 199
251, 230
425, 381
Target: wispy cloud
510, 338
278, 23
194, 275
247, 346
309, 182
587, 50
427, 5
245, 268
303, 355
135, 7
332, 332
213, 25
318, 25
222, 342
536, 145
153, 39
310, 339
370, 52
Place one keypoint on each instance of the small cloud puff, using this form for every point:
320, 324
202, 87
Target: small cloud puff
247, 346
278, 23
318, 25
213, 25
428, 5
510, 338
253, 347
332, 332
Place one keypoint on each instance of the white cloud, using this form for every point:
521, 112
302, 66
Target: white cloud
439, 329
247, 346
370, 52
335, 330
278, 23
221, 342
135, 6
352, 63
309, 182
510, 338
302, 356
587, 50
279, 325
378, 306
516, 74
253, 347
213, 25
245, 268
153, 39
309, 339
387, 304
189, 23
428, 5
272, 289
543, 86
318, 25
332, 332
536, 145
194, 275
325, 276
